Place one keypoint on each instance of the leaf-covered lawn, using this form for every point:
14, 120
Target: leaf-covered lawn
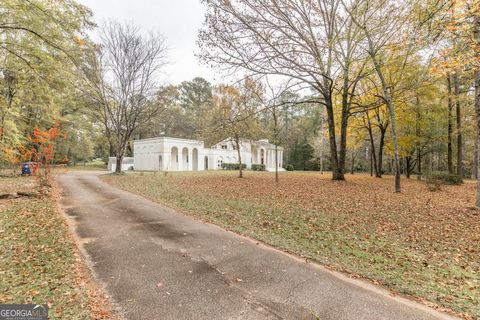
426, 244
38, 262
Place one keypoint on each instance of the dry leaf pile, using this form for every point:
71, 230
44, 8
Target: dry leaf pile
426, 244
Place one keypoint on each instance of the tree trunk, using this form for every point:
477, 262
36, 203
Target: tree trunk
321, 144
393, 129
276, 163
337, 170
475, 157
371, 163
459, 126
373, 156
449, 129
477, 113
419, 163
408, 164
418, 136
275, 135
118, 168
352, 164
381, 146
344, 123
240, 169
119, 154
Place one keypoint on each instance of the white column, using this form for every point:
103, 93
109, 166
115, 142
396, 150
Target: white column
269, 162
190, 160
180, 159
166, 157
167, 161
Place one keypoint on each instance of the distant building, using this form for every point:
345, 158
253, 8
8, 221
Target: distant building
175, 154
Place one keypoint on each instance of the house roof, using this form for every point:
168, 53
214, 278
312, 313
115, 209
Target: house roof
168, 139
259, 143
265, 144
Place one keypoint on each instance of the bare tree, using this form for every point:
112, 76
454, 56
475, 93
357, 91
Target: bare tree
312, 42
123, 81
234, 115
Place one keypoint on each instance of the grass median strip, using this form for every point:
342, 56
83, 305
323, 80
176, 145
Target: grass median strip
38, 263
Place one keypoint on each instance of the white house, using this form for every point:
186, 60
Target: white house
175, 154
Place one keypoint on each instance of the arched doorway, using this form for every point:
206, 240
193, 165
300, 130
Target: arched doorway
254, 155
185, 159
219, 162
206, 162
174, 159
195, 159
160, 163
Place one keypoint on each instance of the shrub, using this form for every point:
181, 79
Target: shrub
435, 180
233, 166
290, 167
444, 178
258, 167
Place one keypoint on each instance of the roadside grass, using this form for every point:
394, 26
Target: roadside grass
91, 165
94, 165
420, 243
38, 262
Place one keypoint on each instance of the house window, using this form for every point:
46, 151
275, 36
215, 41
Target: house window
224, 147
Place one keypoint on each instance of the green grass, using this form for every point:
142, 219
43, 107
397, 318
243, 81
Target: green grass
38, 261
419, 243
91, 165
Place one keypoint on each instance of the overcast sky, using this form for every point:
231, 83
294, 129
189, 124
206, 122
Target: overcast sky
177, 20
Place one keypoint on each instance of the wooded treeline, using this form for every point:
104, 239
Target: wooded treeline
398, 75
379, 86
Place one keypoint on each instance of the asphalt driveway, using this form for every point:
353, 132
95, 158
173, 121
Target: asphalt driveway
156, 263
